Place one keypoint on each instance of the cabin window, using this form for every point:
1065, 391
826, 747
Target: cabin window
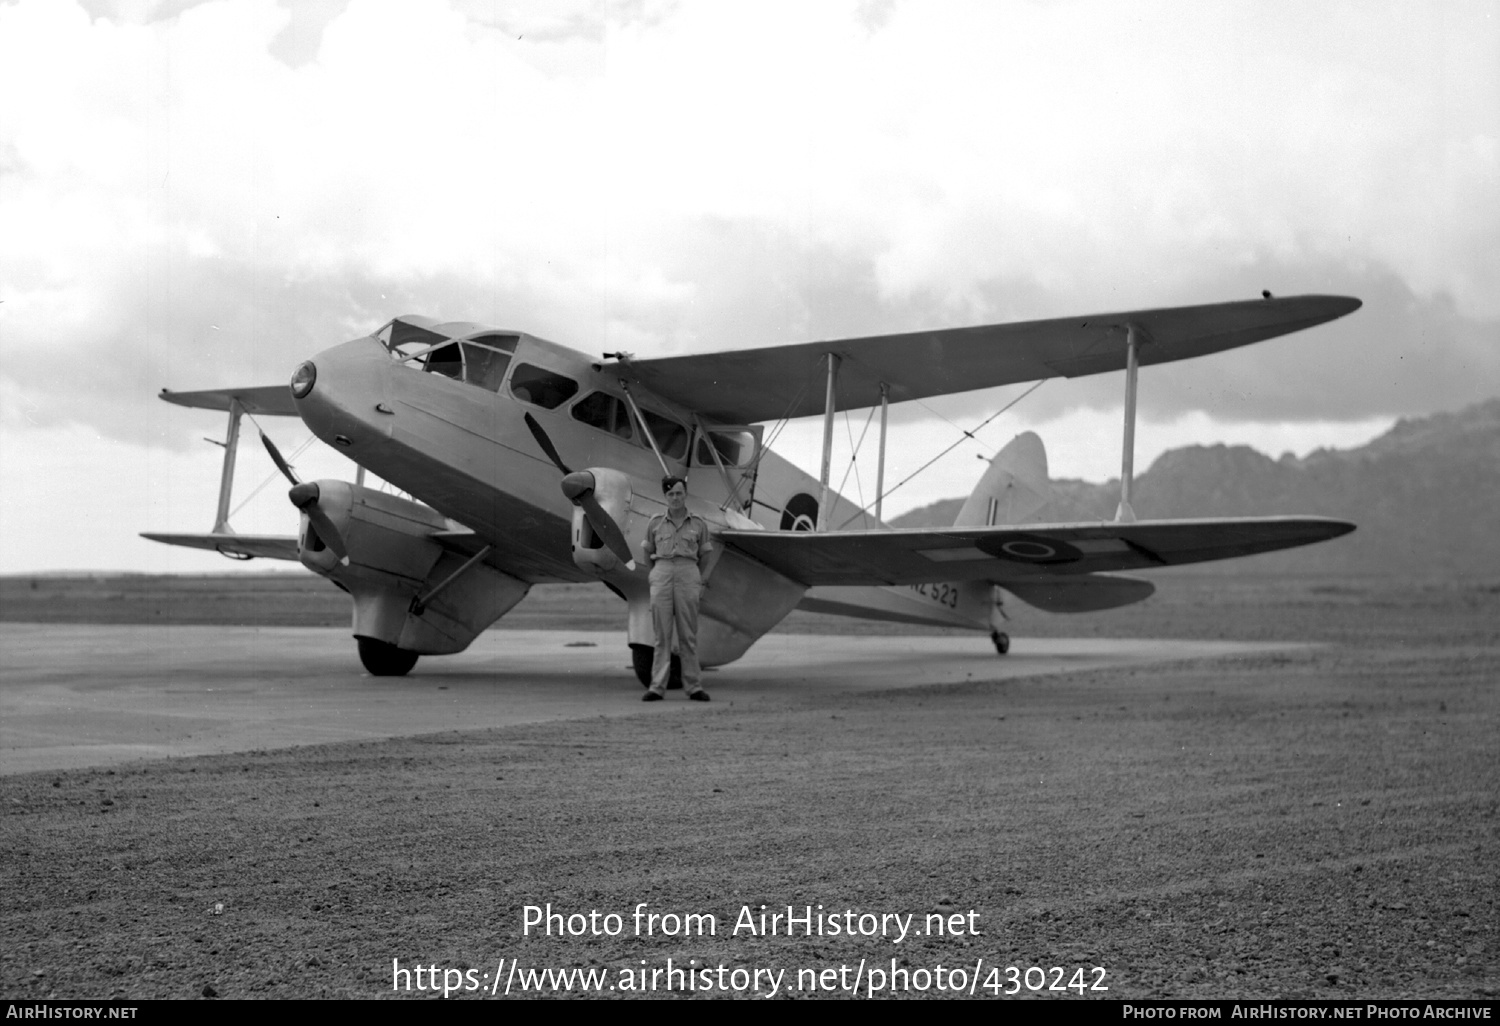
484, 366
671, 437
541, 387
605, 412
735, 448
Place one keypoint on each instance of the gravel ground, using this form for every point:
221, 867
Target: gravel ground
1320, 824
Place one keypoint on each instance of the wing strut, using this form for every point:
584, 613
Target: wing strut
833, 381
226, 477
419, 603
1124, 514
732, 498
885, 405
645, 428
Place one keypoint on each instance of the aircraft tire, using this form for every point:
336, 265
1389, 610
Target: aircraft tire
1001, 640
385, 660
641, 657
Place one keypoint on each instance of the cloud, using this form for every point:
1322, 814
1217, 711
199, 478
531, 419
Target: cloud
205, 193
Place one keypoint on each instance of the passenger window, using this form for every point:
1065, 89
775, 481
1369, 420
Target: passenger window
671, 437
483, 366
446, 361
605, 412
734, 448
540, 387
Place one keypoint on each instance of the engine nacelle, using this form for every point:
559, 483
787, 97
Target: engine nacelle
392, 560
614, 492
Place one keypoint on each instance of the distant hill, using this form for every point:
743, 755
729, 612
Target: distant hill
1426, 497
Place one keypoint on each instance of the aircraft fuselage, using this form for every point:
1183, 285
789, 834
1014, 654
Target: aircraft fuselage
452, 434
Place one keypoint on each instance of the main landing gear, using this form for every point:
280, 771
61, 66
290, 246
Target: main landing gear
1001, 640
385, 660
641, 657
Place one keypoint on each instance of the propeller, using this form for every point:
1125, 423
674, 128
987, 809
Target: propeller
578, 486
305, 496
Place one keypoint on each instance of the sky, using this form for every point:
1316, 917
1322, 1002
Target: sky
203, 194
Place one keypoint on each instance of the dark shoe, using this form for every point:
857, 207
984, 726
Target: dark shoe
651, 696
699, 696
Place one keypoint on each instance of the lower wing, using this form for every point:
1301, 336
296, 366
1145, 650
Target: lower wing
1026, 551
267, 546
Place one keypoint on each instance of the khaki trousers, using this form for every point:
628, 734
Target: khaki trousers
675, 588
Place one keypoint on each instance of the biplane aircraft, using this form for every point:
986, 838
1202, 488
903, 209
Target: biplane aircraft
529, 463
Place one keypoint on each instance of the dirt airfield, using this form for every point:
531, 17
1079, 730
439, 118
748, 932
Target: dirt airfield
1322, 822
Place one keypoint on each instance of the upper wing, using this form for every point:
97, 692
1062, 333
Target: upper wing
267, 546
263, 400
990, 553
751, 385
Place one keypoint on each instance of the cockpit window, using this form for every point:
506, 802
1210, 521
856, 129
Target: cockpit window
605, 412
484, 366
506, 343
445, 360
480, 360
406, 336
544, 388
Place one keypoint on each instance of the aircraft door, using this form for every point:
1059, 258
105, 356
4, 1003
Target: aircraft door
727, 454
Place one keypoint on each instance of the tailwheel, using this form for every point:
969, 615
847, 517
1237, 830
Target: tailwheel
641, 657
385, 660
1001, 640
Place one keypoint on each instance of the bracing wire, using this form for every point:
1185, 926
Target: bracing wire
854, 448
306, 443
955, 445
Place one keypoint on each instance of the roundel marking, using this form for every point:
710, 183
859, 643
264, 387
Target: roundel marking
1030, 548
800, 514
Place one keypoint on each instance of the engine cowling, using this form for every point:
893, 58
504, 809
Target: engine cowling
613, 491
393, 559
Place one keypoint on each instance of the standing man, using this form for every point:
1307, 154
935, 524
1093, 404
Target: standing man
678, 548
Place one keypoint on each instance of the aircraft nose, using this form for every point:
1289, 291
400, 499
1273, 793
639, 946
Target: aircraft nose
340, 392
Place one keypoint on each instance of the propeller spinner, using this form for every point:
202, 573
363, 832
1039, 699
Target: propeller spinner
578, 486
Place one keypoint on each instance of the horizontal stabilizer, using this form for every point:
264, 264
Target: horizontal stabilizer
919, 556
262, 401
1079, 593
266, 546
748, 386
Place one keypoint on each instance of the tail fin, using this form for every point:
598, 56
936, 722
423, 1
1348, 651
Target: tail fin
1013, 489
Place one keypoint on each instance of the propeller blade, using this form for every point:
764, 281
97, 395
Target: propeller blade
276, 458
546, 443
605, 527
305, 497
579, 489
328, 533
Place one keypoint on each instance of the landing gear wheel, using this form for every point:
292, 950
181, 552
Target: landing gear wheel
641, 657
385, 660
1001, 640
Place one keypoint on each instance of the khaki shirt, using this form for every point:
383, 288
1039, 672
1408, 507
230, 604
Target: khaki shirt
666, 540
